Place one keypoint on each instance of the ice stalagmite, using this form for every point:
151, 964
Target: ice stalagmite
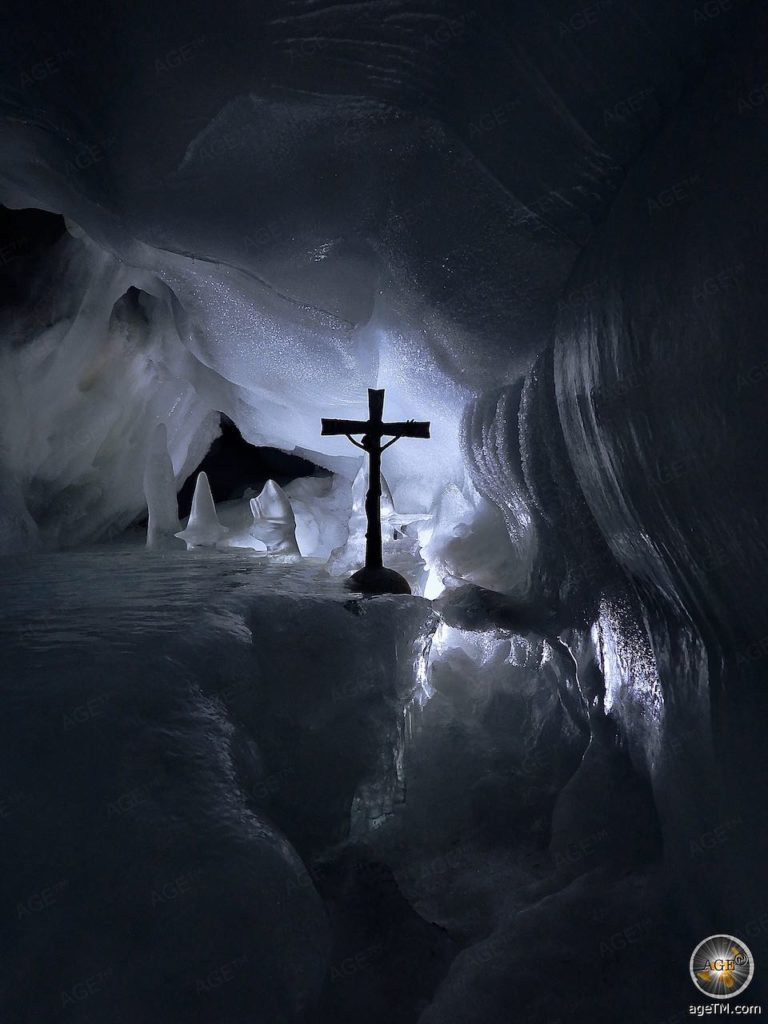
160, 492
274, 523
203, 528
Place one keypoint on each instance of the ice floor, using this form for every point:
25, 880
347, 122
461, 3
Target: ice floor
66, 598
238, 794
181, 732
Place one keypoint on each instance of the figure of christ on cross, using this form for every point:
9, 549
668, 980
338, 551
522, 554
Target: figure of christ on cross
374, 578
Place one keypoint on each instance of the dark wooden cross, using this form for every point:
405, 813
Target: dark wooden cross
374, 429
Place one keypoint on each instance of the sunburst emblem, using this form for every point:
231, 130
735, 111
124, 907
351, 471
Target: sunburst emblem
721, 966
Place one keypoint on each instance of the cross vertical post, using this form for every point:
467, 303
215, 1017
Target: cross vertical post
374, 558
374, 578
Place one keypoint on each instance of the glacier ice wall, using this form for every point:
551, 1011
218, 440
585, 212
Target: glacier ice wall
90, 368
659, 372
626, 463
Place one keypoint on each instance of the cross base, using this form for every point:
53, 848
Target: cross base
377, 581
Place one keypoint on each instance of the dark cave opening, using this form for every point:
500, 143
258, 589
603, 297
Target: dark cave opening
25, 236
233, 466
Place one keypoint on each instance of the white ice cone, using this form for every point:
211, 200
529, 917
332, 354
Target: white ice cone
160, 492
273, 503
203, 528
274, 522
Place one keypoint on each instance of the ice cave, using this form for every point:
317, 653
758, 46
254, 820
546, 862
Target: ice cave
526, 787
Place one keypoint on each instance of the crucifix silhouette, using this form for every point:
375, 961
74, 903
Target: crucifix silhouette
374, 578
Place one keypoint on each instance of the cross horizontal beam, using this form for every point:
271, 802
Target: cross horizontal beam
407, 428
